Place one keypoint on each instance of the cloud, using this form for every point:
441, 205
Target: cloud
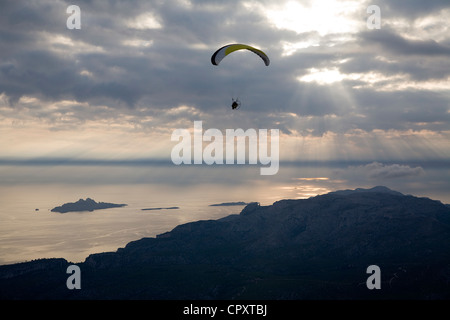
411, 9
392, 42
376, 170
146, 66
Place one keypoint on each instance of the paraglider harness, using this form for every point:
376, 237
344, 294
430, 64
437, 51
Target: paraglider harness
236, 104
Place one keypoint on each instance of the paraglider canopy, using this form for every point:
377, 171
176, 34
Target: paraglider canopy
226, 50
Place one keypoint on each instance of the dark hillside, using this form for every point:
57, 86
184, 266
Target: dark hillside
318, 248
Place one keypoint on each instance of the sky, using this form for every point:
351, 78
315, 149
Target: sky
114, 90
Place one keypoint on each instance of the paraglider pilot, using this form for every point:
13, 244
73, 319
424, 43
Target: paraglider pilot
236, 104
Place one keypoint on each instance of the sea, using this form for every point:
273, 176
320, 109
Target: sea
30, 230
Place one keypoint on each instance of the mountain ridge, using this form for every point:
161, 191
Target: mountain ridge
316, 248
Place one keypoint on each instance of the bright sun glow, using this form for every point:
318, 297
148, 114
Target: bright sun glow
323, 76
313, 20
378, 81
145, 21
324, 17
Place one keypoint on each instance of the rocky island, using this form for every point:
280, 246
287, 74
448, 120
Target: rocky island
166, 208
85, 205
228, 204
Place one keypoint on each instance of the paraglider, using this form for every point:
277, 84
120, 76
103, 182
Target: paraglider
224, 51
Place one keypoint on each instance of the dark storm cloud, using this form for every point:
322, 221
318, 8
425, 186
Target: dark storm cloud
170, 72
411, 8
388, 40
420, 69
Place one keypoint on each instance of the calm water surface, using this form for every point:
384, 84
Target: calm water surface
27, 234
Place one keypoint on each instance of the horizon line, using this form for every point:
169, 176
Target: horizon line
49, 161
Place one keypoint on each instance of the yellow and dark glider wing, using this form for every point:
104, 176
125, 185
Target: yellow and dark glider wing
226, 50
